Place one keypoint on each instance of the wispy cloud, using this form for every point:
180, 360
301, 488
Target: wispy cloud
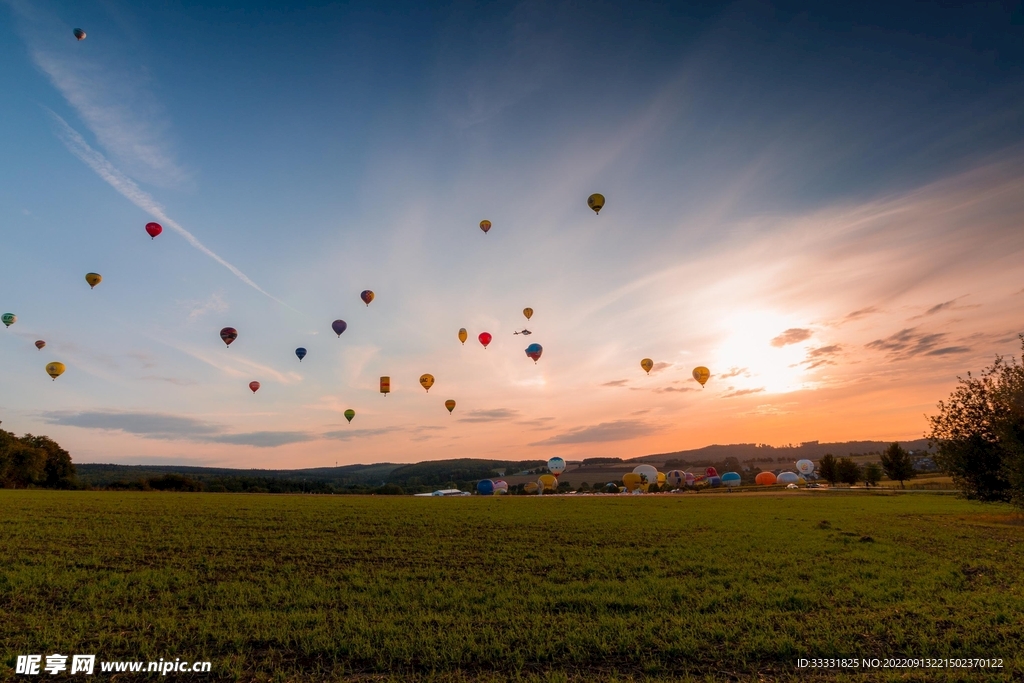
794, 335
492, 415
821, 356
945, 306
733, 393
349, 434
619, 430
908, 343
212, 304
734, 372
616, 383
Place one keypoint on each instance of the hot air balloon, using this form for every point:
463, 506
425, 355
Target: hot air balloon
367, 296
689, 479
662, 479
93, 279
55, 369
450, 405
547, 482
530, 487
427, 381
715, 481
788, 478
533, 351
701, 374
339, 326
647, 364
649, 473
154, 229
764, 479
485, 487
485, 225
80, 34
710, 472
301, 353
596, 202
485, 338
501, 486
528, 312
805, 467
255, 386
556, 466
731, 479
40, 344
229, 334
632, 481
675, 478
8, 319
349, 414
463, 335
385, 385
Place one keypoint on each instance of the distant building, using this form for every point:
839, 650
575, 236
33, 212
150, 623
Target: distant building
925, 465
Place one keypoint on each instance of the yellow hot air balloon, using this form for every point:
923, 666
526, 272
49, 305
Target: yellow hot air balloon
54, 369
426, 381
596, 202
93, 279
463, 335
528, 312
450, 405
548, 482
647, 364
701, 374
632, 481
385, 385
530, 487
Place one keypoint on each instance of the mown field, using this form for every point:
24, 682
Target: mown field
626, 588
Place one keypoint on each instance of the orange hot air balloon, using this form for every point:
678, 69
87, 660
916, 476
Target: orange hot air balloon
367, 296
93, 279
255, 386
450, 405
764, 478
647, 364
701, 374
485, 338
385, 385
40, 344
485, 225
463, 335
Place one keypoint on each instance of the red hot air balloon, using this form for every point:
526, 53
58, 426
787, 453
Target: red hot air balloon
154, 229
40, 344
485, 338
367, 296
254, 386
229, 334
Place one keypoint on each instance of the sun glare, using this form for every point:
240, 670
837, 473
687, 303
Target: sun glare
747, 360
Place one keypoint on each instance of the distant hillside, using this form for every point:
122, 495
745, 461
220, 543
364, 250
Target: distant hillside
812, 450
347, 475
440, 472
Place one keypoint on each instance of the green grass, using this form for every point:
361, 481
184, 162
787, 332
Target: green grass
302, 588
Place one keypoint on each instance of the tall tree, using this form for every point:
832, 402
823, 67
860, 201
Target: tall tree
897, 464
872, 474
827, 469
847, 471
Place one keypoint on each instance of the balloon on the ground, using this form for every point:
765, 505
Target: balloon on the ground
710, 472
463, 335
55, 369
649, 473
647, 364
450, 405
548, 482
485, 225
93, 279
632, 481
534, 351
675, 477
501, 486
530, 487
528, 312
485, 487
804, 466
254, 386
788, 478
349, 414
731, 479
301, 353
689, 478
8, 319
556, 465
596, 202
228, 335
154, 229
661, 479
485, 338
40, 344
80, 34
367, 296
701, 374
714, 481
339, 326
385, 385
427, 381
764, 478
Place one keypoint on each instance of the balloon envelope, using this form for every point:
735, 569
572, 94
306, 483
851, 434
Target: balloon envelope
55, 369
731, 479
764, 478
715, 481
426, 381
254, 386
485, 225
596, 202
534, 351
485, 338
647, 364
367, 296
385, 385
154, 229
804, 466
228, 335
710, 472
548, 482
40, 344
528, 312
649, 473
463, 335
501, 486
689, 478
301, 353
556, 465
339, 326
701, 374
485, 487
80, 34
450, 405
93, 279
632, 481
349, 414
530, 487
8, 319
675, 478
788, 478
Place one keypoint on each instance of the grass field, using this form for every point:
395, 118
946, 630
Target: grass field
613, 588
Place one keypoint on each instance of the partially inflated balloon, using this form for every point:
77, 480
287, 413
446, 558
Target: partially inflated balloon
528, 312
530, 487
534, 351
80, 34
485, 225
596, 202
228, 335
731, 479
764, 479
701, 374
301, 353
93, 279
385, 385
485, 338
632, 481
649, 473
710, 472
40, 344
254, 386
547, 482
675, 478
647, 364
485, 487
556, 465
788, 478
349, 414
154, 229
501, 486
463, 335
367, 296
450, 405
339, 326
804, 466
427, 381
8, 319
55, 369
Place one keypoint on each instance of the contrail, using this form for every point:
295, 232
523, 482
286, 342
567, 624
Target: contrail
127, 187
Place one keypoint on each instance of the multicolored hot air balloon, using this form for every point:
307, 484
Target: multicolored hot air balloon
485, 487
675, 478
93, 279
255, 386
805, 467
40, 344
228, 335
533, 351
349, 414
485, 225
367, 296
701, 374
427, 381
689, 478
339, 326
385, 385
450, 405
301, 353
463, 335
55, 369
154, 229
501, 486
647, 364
596, 202
528, 312
764, 479
731, 479
80, 34
649, 473
485, 338
556, 466
8, 319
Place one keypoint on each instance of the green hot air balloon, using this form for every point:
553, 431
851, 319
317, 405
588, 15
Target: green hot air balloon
8, 319
349, 414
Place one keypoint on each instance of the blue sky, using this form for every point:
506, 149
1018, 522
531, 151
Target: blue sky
821, 205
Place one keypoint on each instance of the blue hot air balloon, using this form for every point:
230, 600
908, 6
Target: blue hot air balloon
714, 481
301, 353
731, 479
339, 326
534, 351
485, 487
